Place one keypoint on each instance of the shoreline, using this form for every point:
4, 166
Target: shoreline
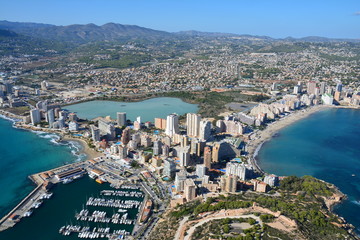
127, 99
15, 119
262, 136
89, 152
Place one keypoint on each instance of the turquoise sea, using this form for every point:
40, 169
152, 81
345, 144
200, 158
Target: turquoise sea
147, 109
24, 153
325, 145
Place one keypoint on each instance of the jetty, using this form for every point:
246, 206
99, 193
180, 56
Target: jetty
24, 208
43, 181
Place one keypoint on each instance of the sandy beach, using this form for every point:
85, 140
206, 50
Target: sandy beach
259, 137
91, 153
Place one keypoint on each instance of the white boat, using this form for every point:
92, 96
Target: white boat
68, 180
77, 177
93, 176
49, 195
27, 214
37, 204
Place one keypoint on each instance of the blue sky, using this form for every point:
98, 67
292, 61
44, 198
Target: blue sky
275, 18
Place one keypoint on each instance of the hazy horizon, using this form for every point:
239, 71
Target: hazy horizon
277, 19
189, 30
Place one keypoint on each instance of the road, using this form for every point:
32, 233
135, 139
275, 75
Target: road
192, 229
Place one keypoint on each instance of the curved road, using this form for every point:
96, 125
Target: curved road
192, 229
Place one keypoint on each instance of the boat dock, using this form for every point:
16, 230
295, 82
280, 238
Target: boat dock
107, 198
24, 208
34, 199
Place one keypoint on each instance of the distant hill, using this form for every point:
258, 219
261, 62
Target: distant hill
19, 26
7, 33
79, 33
320, 39
194, 33
82, 33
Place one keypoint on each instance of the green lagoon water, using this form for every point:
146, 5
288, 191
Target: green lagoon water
147, 109
325, 145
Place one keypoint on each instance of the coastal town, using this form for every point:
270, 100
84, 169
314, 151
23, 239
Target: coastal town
246, 130
175, 160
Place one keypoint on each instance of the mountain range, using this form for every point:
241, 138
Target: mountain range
78, 33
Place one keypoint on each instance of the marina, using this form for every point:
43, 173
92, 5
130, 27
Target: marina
114, 207
107, 214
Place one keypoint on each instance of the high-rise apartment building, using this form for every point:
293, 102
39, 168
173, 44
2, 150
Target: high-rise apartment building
322, 88
50, 117
122, 152
165, 150
207, 157
172, 125
184, 156
121, 119
145, 141
160, 123
169, 168
228, 183
157, 148
35, 116
193, 124
95, 133
189, 189
125, 137
338, 87
272, 180
107, 129
205, 130
73, 126
236, 169
180, 177
200, 170
215, 153
311, 87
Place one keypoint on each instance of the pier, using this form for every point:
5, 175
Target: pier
30, 201
35, 198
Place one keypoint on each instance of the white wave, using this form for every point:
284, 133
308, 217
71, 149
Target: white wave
54, 138
356, 202
13, 120
76, 150
257, 150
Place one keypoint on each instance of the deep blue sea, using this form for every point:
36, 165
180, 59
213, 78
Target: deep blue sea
325, 145
23, 153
